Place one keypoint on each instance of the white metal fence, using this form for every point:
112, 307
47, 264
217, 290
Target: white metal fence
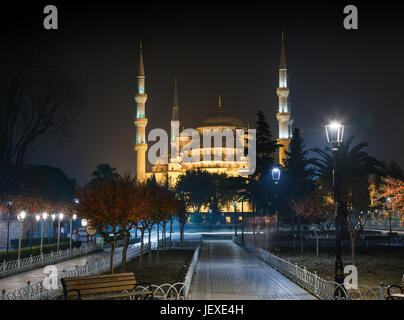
191, 270
15, 266
319, 287
385, 225
37, 291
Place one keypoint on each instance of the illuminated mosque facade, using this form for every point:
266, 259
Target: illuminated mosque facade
219, 120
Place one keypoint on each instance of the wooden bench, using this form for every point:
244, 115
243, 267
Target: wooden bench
105, 287
393, 295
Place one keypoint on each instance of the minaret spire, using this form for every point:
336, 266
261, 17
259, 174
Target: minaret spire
282, 64
175, 113
141, 121
283, 116
219, 104
141, 66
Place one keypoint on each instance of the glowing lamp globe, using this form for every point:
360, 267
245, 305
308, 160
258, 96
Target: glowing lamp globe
335, 134
276, 174
22, 215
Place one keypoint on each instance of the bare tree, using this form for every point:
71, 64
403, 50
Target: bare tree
37, 98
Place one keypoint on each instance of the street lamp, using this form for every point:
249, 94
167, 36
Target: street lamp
73, 218
335, 134
59, 220
52, 229
44, 216
9, 205
21, 218
84, 224
276, 177
276, 174
242, 220
235, 218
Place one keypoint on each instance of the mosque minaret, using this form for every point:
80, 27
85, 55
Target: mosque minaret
141, 122
284, 113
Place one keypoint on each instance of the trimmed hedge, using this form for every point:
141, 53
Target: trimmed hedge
26, 252
26, 242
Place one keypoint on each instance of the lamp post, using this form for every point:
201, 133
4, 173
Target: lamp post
53, 215
388, 200
60, 218
73, 218
9, 204
242, 220
44, 216
276, 177
21, 218
38, 218
84, 224
235, 217
335, 133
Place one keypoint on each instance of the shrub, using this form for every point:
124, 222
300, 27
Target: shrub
26, 252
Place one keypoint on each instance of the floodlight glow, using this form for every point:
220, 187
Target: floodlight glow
84, 222
37, 217
44, 215
61, 215
74, 216
53, 216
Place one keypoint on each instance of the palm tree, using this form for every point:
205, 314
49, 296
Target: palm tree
103, 172
354, 164
354, 168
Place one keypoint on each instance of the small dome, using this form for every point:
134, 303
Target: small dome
220, 118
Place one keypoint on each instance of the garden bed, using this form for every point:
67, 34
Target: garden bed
375, 264
171, 267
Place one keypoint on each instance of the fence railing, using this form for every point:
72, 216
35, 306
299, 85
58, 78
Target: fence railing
319, 287
15, 266
191, 270
385, 225
38, 290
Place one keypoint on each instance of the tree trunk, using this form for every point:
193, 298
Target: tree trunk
158, 243
150, 247
171, 230
111, 258
164, 235
125, 250
353, 253
182, 224
141, 249
316, 235
299, 228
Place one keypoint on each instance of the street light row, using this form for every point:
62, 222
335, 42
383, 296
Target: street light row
44, 216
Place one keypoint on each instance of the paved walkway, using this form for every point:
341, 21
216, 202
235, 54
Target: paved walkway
226, 271
20, 280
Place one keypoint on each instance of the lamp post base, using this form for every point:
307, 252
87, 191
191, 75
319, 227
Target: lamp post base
339, 290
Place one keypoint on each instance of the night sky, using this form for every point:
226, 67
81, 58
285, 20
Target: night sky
221, 48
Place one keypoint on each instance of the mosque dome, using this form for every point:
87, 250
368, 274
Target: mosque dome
221, 119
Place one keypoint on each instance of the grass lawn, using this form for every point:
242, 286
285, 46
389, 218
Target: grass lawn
171, 268
375, 264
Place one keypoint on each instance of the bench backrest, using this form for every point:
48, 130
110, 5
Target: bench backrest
98, 284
